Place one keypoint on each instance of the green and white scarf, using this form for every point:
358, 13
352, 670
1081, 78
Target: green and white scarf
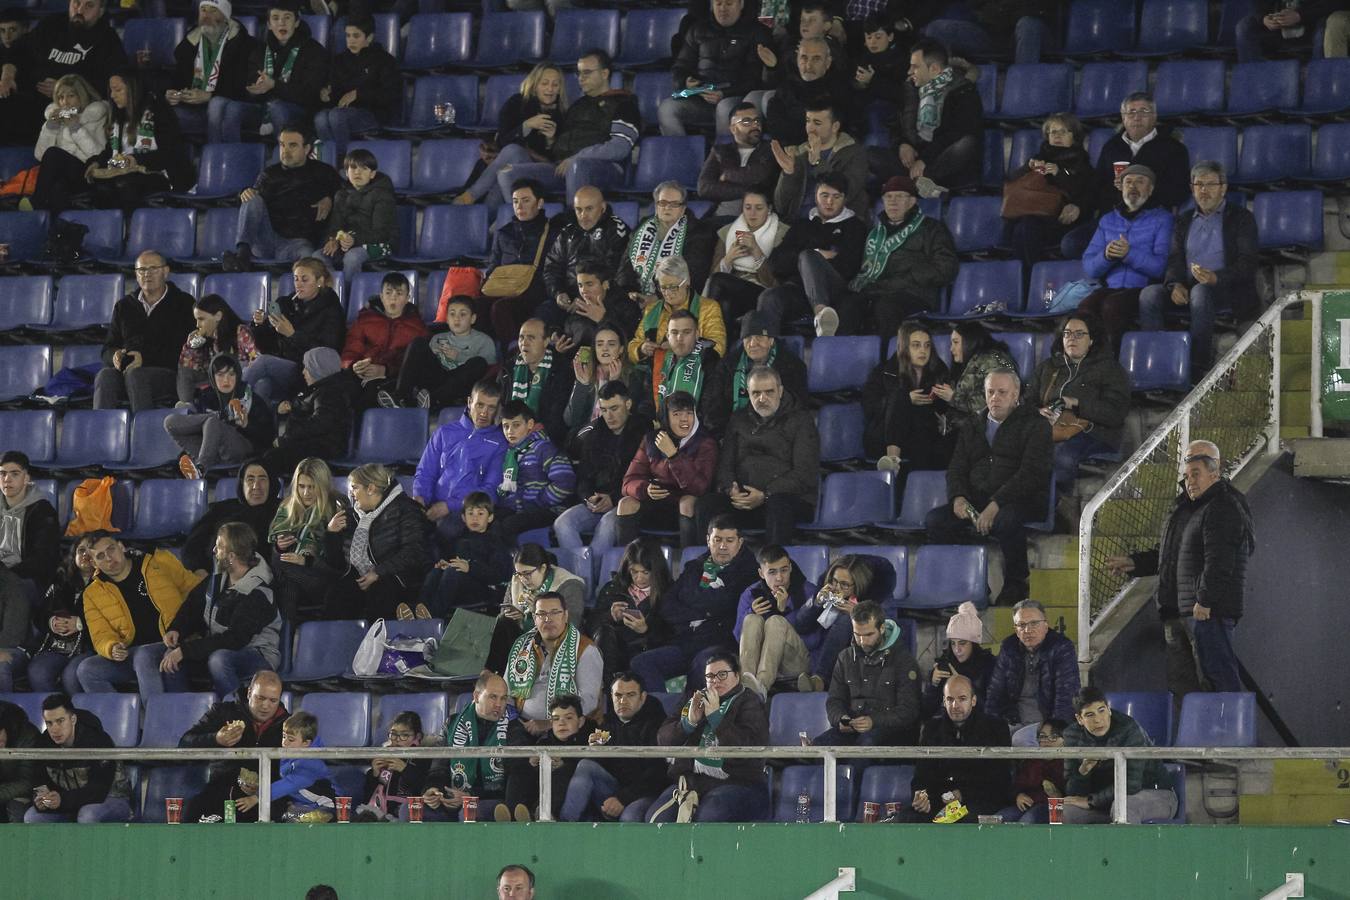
511, 464
522, 666
522, 598
645, 250
711, 577
712, 766
651, 319
681, 375
143, 141
740, 392
879, 247
465, 774
286, 66
527, 385
206, 65
931, 97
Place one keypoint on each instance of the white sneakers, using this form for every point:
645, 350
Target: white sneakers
928, 188
826, 321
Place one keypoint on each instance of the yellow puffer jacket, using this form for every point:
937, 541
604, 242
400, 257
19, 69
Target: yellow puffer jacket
710, 326
107, 615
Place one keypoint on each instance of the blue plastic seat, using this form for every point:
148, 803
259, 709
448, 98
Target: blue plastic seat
460, 90
30, 703
443, 166
1218, 143
324, 649
924, 490
189, 283
219, 226
84, 302
163, 782
169, 716
1331, 158
32, 431
159, 36
75, 356
646, 37
890, 569
947, 575
1187, 87
25, 232
651, 88
1031, 90
796, 780
1217, 720
367, 285
885, 784
508, 39
167, 507
496, 91
668, 159
1230, 13
577, 560
103, 241
119, 713
395, 158
320, 28
1151, 709
1326, 88
577, 30
243, 291
1096, 140
812, 559
14, 160
433, 708
1168, 26
841, 431
438, 39
627, 210
224, 170
1157, 360
1097, 26
91, 437
1289, 220
170, 232
975, 223
394, 630
1105, 85
981, 283
854, 499
791, 713
390, 436
1259, 87
387, 28
27, 299
344, 718
611, 558
450, 232
1023, 346
151, 446
1272, 153
991, 161
841, 363
1025, 144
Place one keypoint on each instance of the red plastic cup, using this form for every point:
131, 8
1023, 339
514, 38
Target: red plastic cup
415, 809
470, 809
1119, 168
871, 811
344, 809
1056, 810
893, 808
173, 810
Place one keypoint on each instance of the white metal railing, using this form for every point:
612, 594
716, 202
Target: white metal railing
828, 756
1135, 500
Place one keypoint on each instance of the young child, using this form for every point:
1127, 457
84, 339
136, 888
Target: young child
442, 369
568, 728
537, 479
390, 779
304, 792
881, 70
1036, 779
363, 225
476, 571
227, 423
377, 341
318, 422
364, 88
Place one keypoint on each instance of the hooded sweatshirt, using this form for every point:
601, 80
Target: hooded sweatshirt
222, 616
882, 684
201, 539
250, 416
30, 537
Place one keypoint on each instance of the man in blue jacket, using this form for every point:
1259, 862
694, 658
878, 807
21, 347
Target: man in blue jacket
1128, 252
1036, 675
462, 457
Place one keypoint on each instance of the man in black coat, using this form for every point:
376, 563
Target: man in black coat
719, 54
1141, 142
729, 390
998, 479
212, 60
620, 787
982, 786
591, 232
75, 790
1201, 565
251, 718
730, 171
939, 132
606, 448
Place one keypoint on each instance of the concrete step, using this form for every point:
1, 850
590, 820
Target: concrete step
1292, 432
1128, 518
1292, 809
1053, 551
1296, 336
1295, 409
1312, 776
1322, 457
1055, 586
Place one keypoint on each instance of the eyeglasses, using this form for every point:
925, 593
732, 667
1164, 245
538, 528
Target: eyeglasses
1076, 333
550, 614
143, 270
584, 72
1047, 738
745, 121
717, 677
669, 204
400, 735
1054, 132
1207, 185
1029, 626
1137, 113
671, 288
526, 573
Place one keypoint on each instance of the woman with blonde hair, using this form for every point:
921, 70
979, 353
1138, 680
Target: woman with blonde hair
74, 132
310, 316
526, 128
379, 547
297, 536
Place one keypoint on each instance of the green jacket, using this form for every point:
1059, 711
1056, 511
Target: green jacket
1099, 784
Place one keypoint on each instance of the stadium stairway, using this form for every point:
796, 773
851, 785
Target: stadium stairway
1302, 791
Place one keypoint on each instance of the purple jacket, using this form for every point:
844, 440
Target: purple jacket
458, 460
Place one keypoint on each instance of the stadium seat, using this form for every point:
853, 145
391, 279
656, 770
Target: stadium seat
320, 28
894, 557
431, 707
1177, 771
443, 167
1188, 87
171, 232
344, 718
1096, 140
32, 431
841, 363
1097, 26
1260, 87
1172, 26
219, 226
1023, 347
27, 299
1218, 143
23, 370
854, 499
626, 210
991, 161
947, 575
323, 649
1331, 158
668, 159
981, 283
438, 39
119, 713
1230, 13
1151, 709
30, 703
243, 291
791, 713
1032, 90
841, 431
366, 286
975, 223
885, 784
1104, 85
103, 241
1289, 220
460, 90
1326, 88
26, 234
167, 507
1025, 144
169, 716
611, 558
249, 24
796, 780
1157, 360
91, 437
812, 559
163, 782
189, 283
1217, 720
224, 170
395, 158
14, 160
496, 91
651, 88
83, 302
578, 30
157, 35
924, 490
392, 436
75, 356
151, 446
646, 37
1273, 153
449, 233
507, 39
394, 629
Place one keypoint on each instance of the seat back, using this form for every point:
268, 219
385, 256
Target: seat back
651, 88
1049, 276
1151, 709
432, 708
25, 232
1326, 85
1097, 25
812, 559
1172, 25
395, 159
157, 36
924, 490
1036, 89
947, 575
1105, 85
85, 301
94, 435
1217, 720
1190, 86
794, 781
885, 784
646, 36
392, 435
438, 39
226, 169
31, 431
790, 714
169, 716
170, 232
841, 363
975, 223
323, 649
1157, 360
444, 165
1217, 143
450, 232
496, 91
163, 782
1255, 87
460, 90
855, 499
23, 370
676, 158
1025, 143
168, 506
104, 238
509, 38
1289, 219
577, 30
14, 160
189, 283
151, 445
119, 713
30, 703
1274, 153
840, 426
344, 718
28, 299
979, 283
243, 291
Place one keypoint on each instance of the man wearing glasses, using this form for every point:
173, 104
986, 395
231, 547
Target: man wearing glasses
1036, 674
1140, 141
148, 328
551, 660
744, 164
1211, 266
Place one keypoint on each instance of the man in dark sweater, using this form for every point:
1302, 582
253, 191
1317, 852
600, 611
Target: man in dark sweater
998, 479
252, 717
80, 41
71, 790
874, 691
148, 328
983, 787
282, 215
1141, 142
620, 787
608, 445
939, 137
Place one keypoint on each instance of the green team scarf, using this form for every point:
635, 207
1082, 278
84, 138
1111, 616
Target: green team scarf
468, 774
522, 667
524, 600
931, 98
651, 319
712, 766
144, 140
286, 66
879, 248
645, 251
740, 393
680, 375
711, 578
206, 64
529, 386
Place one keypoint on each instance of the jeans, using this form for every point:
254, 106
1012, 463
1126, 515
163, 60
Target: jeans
678, 115
227, 119
1068, 454
208, 439
591, 785
1155, 306
145, 387
49, 672
113, 809
600, 173
1031, 37
723, 803
1214, 652
654, 666
837, 637
1036, 814
273, 378
228, 668
255, 230
192, 118
231, 668
337, 125
149, 679
569, 526
12, 662
100, 675
945, 528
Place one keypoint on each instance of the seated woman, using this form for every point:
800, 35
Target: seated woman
297, 536
1064, 162
380, 336
364, 223
73, 134
673, 468
53, 659
535, 572
608, 363
380, 547
529, 119
623, 622
738, 271
226, 425
826, 622
1084, 392
902, 418
963, 655
975, 353
219, 330
145, 153
318, 420
311, 316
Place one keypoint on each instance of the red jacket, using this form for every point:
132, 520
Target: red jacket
690, 471
380, 339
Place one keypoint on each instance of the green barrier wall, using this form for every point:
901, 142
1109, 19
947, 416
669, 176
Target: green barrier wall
775, 862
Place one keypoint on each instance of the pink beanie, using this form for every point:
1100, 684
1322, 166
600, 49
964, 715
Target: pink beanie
966, 624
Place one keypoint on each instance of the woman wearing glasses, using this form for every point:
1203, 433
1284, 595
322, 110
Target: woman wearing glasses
672, 284
536, 572
847, 582
1063, 161
671, 231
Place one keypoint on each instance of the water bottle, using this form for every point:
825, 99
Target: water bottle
803, 807
1049, 297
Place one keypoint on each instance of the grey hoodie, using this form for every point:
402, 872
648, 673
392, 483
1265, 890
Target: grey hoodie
11, 525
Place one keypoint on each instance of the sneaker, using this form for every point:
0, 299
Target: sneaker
928, 188
500, 813
827, 322
189, 468
403, 611
420, 611
523, 813
808, 684
753, 683
423, 398
386, 400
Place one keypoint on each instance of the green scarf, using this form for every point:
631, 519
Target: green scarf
681, 375
879, 247
144, 141
651, 319
931, 97
529, 386
712, 575
286, 66
206, 64
740, 393
522, 667
712, 766
465, 774
645, 251
524, 601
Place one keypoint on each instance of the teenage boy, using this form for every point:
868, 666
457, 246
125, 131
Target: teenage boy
537, 478
363, 225
365, 87
476, 569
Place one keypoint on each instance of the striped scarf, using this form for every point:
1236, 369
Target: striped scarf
522, 667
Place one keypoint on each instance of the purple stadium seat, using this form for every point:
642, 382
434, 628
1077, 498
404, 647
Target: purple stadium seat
853, 500
344, 718
169, 716
841, 429
790, 714
1157, 360
796, 780
32, 431
841, 363
438, 39
577, 30
947, 575
1217, 720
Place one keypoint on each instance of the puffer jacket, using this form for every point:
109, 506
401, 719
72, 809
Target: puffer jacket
368, 214
724, 56
978, 667
544, 477
604, 244
1058, 678
109, 620
777, 455
883, 685
1149, 232
397, 542
1099, 785
1164, 153
458, 460
320, 322
517, 242
221, 616
1098, 382
1016, 469
320, 419
380, 339
745, 724
233, 80
711, 326
606, 456
889, 417
688, 472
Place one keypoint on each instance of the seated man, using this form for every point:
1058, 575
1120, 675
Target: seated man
983, 787
18, 776
939, 139
600, 303
817, 72
537, 478
828, 151
699, 610
564, 727
728, 390
1281, 28
549, 660
998, 479
1089, 795
462, 457
671, 231
874, 692
745, 163
251, 717
1035, 675
282, 215
1140, 141
771, 646
1211, 266
541, 377
211, 66
724, 714
686, 366
591, 232
718, 60
489, 721
75, 790
616, 787
140, 353
607, 446
30, 554
769, 465
289, 70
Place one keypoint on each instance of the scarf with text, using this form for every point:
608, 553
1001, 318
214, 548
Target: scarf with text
680, 375
527, 385
465, 774
881, 243
931, 97
645, 249
125, 141
206, 64
527, 653
286, 65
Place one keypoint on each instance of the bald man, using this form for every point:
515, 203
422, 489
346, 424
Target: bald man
542, 376
490, 721
590, 232
251, 718
148, 328
982, 786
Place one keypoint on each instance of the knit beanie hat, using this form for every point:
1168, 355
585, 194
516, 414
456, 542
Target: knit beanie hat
222, 6
966, 624
322, 362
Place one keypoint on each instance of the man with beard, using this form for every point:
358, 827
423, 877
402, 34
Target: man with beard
81, 43
210, 68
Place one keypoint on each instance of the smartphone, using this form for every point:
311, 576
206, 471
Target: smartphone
274, 308
585, 355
